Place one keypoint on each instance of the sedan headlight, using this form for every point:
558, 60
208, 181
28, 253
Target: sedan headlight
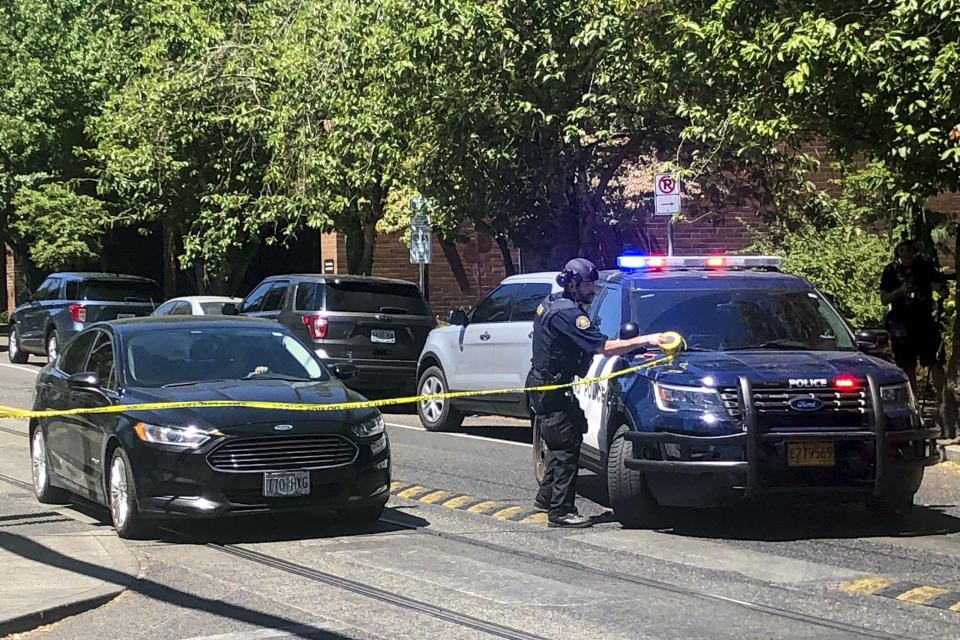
369, 428
898, 396
186, 437
700, 399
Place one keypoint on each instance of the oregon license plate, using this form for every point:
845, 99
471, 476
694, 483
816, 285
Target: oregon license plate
386, 336
810, 454
285, 484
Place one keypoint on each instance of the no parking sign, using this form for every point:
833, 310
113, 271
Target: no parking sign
666, 194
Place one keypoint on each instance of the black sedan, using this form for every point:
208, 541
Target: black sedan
204, 461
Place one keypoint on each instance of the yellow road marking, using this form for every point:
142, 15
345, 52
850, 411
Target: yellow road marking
408, 493
867, 586
433, 497
921, 594
955, 607
396, 485
456, 502
486, 505
537, 518
503, 514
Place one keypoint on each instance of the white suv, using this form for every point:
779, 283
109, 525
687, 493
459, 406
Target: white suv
488, 347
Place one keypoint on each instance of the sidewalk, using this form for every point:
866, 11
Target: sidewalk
52, 566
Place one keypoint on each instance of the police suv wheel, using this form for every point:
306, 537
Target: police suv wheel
630, 497
14, 352
436, 414
541, 454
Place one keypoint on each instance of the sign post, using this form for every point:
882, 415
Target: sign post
666, 196
420, 240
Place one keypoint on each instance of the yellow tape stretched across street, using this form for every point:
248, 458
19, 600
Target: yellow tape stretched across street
671, 349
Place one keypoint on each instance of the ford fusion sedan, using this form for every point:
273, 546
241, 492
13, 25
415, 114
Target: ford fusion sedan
147, 463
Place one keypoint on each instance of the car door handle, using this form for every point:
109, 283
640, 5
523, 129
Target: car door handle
484, 336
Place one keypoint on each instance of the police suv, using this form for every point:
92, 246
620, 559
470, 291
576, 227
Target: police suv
773, 394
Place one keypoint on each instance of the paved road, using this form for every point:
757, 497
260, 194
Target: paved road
774, 570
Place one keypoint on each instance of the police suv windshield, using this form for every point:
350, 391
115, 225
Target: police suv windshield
728, 320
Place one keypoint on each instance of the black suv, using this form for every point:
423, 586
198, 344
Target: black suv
378, 324
67, 303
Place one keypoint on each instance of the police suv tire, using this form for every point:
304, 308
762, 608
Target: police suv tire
15, 352
633, 505
436, 415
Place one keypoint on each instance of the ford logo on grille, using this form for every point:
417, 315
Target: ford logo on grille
283, 427
805, 403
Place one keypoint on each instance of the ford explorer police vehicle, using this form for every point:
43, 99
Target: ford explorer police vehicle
773, 394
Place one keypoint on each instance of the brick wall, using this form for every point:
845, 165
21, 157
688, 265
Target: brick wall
9, 285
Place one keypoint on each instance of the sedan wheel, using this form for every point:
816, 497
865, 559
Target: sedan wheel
45, 492
14, 352
123, 498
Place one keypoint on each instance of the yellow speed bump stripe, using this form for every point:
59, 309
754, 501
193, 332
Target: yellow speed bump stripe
470, 504
671, 349
903, 591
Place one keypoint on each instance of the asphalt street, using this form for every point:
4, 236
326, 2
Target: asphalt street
778, 569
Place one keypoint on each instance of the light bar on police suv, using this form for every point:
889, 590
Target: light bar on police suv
630, 263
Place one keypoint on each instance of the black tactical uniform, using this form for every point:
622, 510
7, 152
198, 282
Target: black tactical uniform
564, 341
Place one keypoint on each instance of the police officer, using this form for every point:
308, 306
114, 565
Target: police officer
564, 341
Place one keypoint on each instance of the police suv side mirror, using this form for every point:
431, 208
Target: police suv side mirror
457, 316
345, 370
85, 380
229, 309
874, 342
629, 330
22, 298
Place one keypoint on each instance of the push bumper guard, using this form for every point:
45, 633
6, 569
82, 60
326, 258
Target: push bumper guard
751, 438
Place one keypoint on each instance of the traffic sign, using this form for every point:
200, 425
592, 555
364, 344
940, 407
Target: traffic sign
420, 236
666, 190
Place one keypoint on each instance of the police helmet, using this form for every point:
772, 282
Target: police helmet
576, 271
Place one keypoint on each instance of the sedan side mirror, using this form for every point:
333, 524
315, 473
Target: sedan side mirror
86, 380
457, 316
874, 342
345, 370
229, 309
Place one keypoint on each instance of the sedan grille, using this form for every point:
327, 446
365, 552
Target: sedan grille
283, 453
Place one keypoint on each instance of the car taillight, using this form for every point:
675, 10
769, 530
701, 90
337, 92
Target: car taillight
316, 324
78, 312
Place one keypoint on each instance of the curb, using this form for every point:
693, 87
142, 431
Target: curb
49, 615
950, 453
471, 504
927, 596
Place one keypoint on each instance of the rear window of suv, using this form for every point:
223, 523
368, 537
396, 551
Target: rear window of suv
119, 291
362, 297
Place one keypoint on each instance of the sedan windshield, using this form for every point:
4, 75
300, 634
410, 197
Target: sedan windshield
187, 356
727, 320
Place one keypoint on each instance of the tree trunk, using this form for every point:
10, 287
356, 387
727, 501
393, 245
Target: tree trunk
170, 260
948, 407
504, 245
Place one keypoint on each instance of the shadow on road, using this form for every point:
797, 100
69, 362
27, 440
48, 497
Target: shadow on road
785, 519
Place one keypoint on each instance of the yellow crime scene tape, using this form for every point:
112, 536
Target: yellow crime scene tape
671, 348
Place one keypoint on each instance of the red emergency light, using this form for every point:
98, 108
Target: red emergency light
845, 382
